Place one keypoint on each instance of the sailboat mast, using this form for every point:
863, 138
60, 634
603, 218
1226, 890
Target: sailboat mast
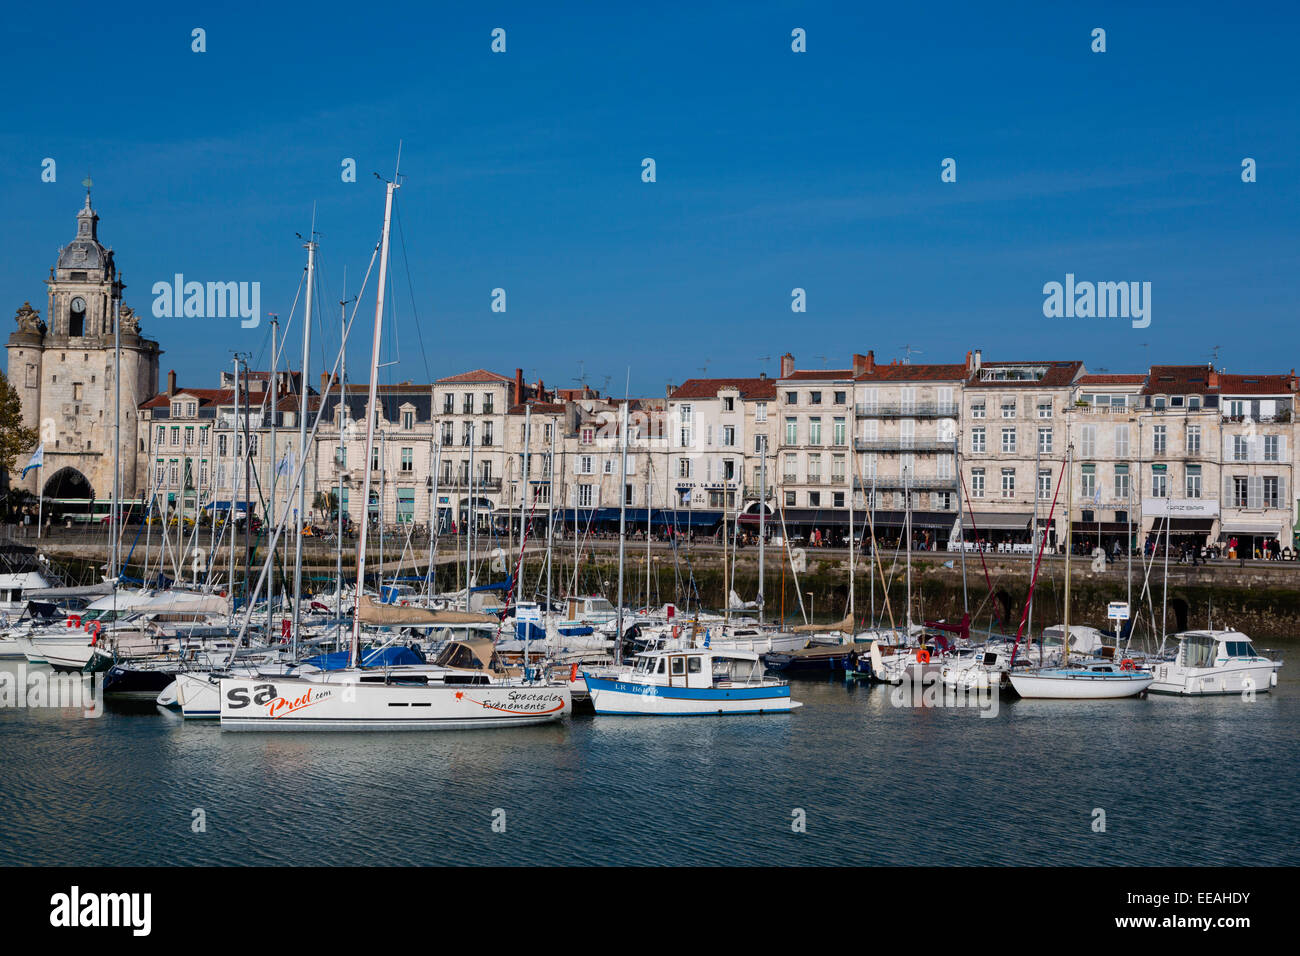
343, 419
622, 536
273, 382
762, 522
354, 652
1069, 542
116, 521
300, 517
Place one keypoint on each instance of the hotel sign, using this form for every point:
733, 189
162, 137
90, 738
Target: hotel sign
1180, 507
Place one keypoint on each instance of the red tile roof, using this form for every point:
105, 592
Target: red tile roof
1180, 380
478, 375
1136, 378
750, 389
900, 372
818, 375
1256, 384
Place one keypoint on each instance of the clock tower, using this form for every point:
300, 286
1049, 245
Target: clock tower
63, 369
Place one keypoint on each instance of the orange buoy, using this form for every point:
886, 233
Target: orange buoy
922, 656
1126, 664
573, 673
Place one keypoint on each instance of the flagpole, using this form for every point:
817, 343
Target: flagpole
40, 502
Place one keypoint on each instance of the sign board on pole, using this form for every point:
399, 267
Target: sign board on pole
1117, 611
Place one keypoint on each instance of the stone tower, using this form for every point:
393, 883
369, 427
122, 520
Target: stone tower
63, 371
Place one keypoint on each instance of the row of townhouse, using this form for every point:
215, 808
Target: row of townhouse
1208, 451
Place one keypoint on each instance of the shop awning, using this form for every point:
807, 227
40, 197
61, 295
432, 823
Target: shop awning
997, 521
1231, 527
1106, 527
1192, 525
665, 517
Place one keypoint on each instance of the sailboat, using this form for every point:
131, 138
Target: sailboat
357, 697
1090, 680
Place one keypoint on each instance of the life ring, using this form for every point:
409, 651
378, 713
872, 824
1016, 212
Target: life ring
74, 620
1126, 664
93, 630
922, 656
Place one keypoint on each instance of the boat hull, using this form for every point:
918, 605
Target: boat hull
1079, 685
1213, 681
288, 704
610, 697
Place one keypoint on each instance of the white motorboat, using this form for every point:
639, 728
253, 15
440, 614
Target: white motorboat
1214, 662
690, 683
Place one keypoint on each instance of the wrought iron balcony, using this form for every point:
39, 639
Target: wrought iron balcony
887, 482
906, 410
905, 444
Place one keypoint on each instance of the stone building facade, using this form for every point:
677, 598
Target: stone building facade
63, 370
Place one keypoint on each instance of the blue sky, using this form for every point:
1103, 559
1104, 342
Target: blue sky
775, 170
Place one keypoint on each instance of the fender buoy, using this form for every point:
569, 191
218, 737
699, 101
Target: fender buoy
1126, 664
573, 673
286, 628
406, 603
922, 656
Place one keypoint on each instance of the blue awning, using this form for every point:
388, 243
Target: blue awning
658, 516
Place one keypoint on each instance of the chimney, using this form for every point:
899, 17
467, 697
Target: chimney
171, 382
668, 392
859, 364
324, 382
787, 365
520, 397
1214, 379
979, 360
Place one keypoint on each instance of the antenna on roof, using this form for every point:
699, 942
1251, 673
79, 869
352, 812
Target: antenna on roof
908, 352
1214, 354
705, 367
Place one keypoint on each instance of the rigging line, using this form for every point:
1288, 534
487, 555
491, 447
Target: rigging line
415, 312
300, 473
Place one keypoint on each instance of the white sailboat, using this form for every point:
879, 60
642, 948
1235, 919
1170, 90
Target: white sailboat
1100, 679
381, 698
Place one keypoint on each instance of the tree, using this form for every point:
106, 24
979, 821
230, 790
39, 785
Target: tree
325, 503
15, 440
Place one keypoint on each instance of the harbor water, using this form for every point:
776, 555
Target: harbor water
850, 778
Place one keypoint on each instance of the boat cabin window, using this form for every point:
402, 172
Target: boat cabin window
457, 655
1239, 649
696, 665
660, 669
1198, 652
679, 665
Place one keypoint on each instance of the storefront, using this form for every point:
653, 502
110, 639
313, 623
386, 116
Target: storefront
1253, 538
999, 531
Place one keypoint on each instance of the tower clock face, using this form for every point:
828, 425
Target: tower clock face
78, 304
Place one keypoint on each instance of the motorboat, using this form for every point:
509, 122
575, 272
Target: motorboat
692, 682
1214, 662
